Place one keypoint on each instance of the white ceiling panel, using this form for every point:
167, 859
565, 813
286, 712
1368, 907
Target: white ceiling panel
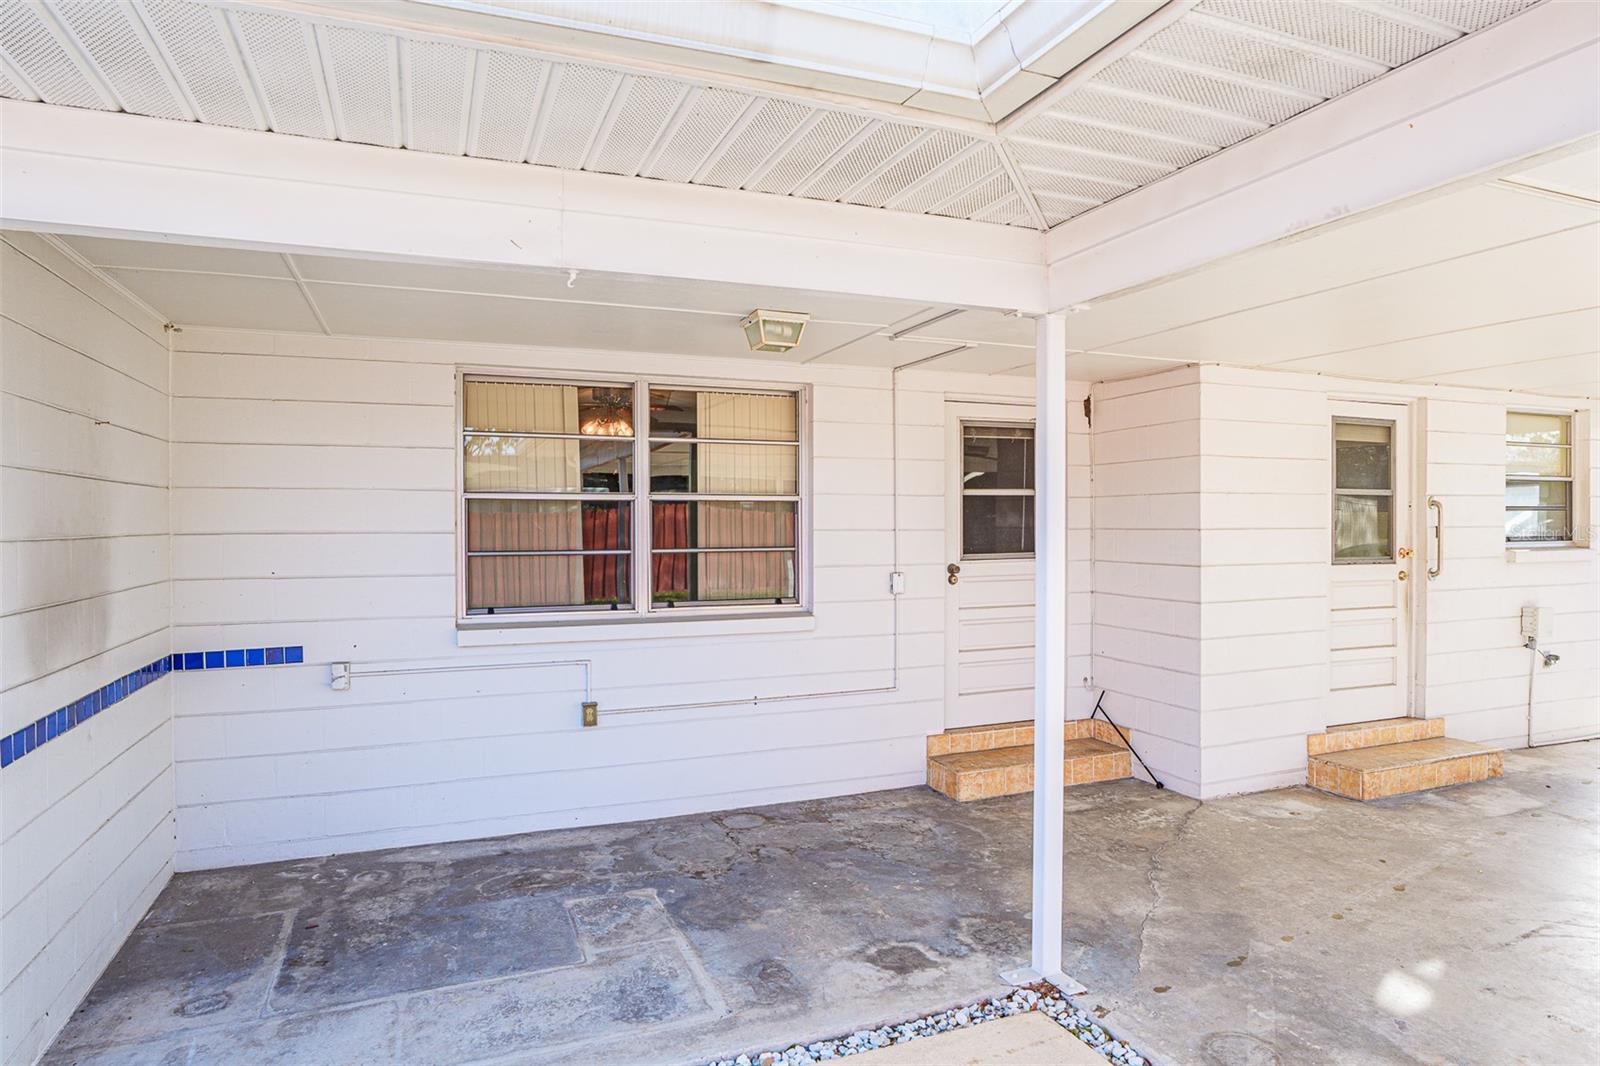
1541, 276
154, 255
1576, 174
879, 349
1102, 366
1429, 231
1217, 73
1574, 371
222, 299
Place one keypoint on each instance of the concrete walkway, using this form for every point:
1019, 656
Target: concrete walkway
1284, 927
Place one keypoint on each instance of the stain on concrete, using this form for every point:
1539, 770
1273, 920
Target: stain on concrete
900, 959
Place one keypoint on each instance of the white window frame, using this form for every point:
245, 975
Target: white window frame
642, 551
1576, 480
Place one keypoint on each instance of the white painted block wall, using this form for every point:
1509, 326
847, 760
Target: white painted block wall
86, 820
313, 500
1212, 525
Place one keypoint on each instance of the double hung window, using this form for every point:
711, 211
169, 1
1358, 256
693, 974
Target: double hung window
1539, 498
628, 497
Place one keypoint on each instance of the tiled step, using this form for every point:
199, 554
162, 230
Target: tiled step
1373, 734
1396, 769
983, 774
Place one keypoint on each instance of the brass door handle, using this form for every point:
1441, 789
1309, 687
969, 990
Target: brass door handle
1405, 553
1402, 575
954, 573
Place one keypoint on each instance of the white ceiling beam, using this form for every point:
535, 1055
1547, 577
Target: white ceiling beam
1482, 103
88, 172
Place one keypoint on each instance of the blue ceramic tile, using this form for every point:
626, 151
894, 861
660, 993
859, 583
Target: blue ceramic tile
5, 751
194, 660
255, 656
296, 654
274, 656
234, 657
213, 660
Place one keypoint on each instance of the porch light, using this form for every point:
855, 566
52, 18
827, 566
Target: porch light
774, 331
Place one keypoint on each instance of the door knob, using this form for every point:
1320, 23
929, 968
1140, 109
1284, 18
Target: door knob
954, 573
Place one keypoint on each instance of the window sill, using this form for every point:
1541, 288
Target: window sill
500, 632
1566, 553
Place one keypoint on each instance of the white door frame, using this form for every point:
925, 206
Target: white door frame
958, 413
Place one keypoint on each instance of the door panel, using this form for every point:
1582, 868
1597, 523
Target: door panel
1369, 585
988, 537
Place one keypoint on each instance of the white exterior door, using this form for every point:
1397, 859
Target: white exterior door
1370, 563
989, 571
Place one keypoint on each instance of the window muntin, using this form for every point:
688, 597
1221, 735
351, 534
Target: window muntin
547, 474
724, 497
1539, 497
554, 519
997, 493
1363, 491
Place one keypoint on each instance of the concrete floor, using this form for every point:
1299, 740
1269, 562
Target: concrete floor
1285, 927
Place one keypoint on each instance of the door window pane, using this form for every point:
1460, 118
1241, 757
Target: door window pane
1363, 455
1363, 528
996, 457
997, 525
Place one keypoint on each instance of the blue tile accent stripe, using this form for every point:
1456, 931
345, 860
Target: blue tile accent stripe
59, 721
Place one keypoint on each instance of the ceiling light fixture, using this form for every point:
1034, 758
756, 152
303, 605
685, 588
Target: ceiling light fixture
773, 331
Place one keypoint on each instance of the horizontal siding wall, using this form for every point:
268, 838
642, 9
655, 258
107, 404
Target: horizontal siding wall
1477, 668
313, 501
87, 819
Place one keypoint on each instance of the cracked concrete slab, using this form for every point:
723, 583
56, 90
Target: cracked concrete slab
1282, 927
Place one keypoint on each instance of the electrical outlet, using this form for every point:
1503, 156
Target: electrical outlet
897, 583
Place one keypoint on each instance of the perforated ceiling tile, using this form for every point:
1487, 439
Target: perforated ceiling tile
510, 85
771, 125
582, 95
114, 41
1065, 130
1074, 186
831, 131
1465, 15
202, 54
1349, 27
12, 91
988, 192
641, 117
362, 69
438, 93
280, 51
871, 152
1155, 77
1113, 106
1057, 210
1090, 164
1225, 46
703, 127
974, 163
43, 59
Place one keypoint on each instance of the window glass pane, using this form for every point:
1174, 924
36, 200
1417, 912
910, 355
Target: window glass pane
1524, 427
722, 415
682, 578
1532, 526
996, 457
1538, 493
513, 582
546, 525
1362, 455
547, 464
996, 525
530, 407
722, 524
731, 469
1545, 459
1363, 528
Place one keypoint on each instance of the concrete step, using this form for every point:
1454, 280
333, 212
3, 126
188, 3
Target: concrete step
1007, 771
1396, 769
1373, 734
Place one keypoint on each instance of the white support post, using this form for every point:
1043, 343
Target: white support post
1050, 644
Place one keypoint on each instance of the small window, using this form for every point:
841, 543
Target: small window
724, 497
548, 480
1363, 491
996, 491
1538, 478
